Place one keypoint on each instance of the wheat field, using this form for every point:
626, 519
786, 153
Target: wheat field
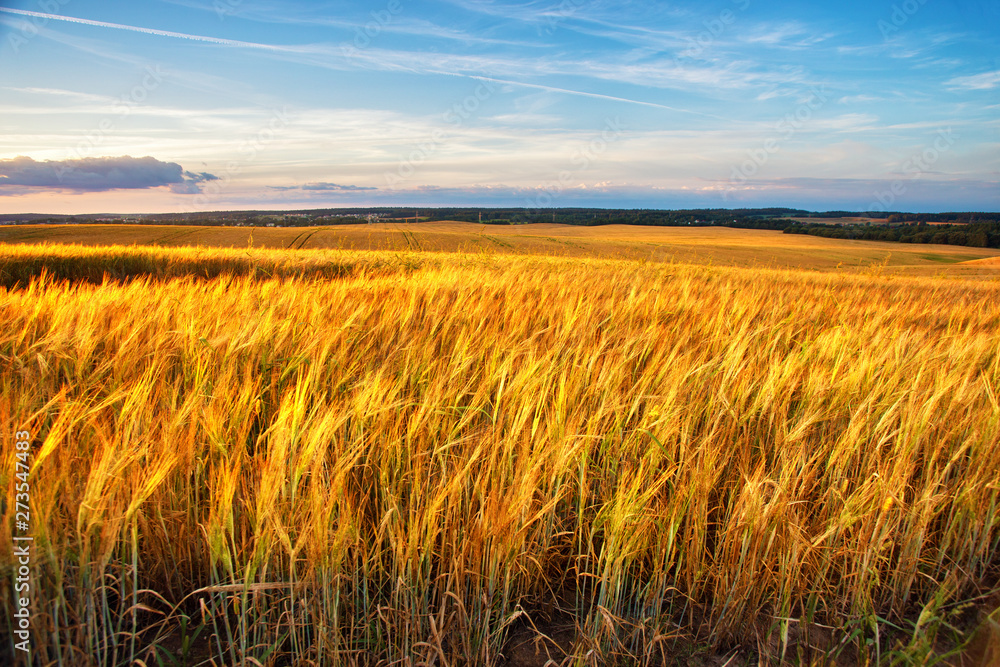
271, 457
719, 246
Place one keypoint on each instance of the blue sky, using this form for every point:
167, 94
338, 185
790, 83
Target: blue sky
182, 105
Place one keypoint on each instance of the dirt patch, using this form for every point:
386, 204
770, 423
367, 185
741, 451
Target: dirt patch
542, 646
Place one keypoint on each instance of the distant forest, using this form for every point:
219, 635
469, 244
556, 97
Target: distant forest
983, 233
965, 229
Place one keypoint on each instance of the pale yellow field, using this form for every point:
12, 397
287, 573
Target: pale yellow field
327, 457
701, 245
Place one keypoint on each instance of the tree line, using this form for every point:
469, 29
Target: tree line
983, 233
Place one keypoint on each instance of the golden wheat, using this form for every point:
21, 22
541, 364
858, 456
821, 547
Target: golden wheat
345, 458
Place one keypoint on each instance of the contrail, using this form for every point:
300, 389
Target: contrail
581, 93
304, 51
152, 31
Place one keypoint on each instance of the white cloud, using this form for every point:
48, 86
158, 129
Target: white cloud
984, 81
855, 99
323, 187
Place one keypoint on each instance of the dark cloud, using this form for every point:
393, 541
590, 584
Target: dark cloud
21, 175
325, 187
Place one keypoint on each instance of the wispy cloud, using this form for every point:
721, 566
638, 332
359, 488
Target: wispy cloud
150, 31
323, 187
856, 99
320, 17
984, 81
601, 96
788, 35
554, 69
665, 74
59, 92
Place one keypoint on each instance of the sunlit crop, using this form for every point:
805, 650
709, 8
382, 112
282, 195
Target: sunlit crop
347, 458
